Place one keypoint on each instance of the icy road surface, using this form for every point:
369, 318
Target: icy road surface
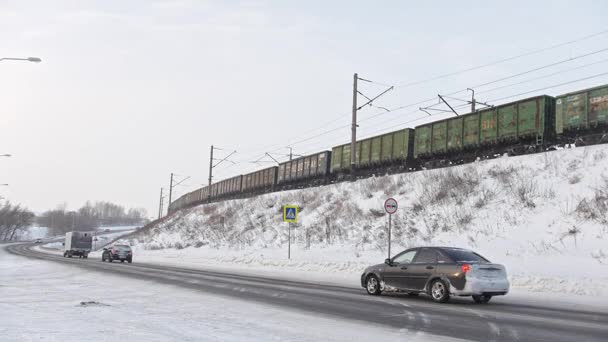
47, 301
188, 304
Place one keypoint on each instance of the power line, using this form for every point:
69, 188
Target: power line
501, 60
544, 76
485, 84
387, 111
493, 100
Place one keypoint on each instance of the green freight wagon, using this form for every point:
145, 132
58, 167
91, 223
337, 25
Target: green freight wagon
522, 121
392, 147
584, 110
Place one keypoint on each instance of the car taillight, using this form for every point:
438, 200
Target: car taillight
465, 268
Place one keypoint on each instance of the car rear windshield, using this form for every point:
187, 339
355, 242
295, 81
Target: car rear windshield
463, 255
122, 248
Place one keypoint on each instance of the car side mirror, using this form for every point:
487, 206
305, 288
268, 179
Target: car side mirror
63, 243
388, 261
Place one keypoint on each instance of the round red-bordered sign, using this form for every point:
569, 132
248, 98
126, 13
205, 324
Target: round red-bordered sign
390, 205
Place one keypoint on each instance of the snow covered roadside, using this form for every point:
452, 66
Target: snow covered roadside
42, 301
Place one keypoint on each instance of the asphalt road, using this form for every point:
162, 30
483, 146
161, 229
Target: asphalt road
460, 318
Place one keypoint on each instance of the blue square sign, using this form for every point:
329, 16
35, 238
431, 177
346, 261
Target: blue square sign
290, 213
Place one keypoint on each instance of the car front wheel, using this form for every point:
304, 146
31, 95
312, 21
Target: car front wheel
372, 285
439, 291
482, 299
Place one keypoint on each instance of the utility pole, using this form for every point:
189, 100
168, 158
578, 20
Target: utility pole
210, 172
170, 188
472, 100
353, 141
160, 204
290, 153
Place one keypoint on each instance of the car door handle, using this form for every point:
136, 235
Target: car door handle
430, 267
404, 268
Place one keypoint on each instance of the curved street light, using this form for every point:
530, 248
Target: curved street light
28, 59
5, 155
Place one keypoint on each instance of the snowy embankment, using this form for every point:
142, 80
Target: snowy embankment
544, 216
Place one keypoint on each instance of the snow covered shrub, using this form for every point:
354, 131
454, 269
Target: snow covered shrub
503, 174
595, 208
574, 179
526, 190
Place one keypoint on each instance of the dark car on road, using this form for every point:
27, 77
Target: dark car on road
440, 272
117, 252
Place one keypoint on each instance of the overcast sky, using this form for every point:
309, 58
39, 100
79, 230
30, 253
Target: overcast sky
130, 91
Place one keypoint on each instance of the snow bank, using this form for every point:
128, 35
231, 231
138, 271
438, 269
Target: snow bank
544, 216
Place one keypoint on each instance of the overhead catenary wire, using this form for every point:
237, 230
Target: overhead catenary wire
493, 100
393, 110
258, 152
533, 52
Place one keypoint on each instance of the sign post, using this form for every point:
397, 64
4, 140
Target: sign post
390, 205
290, 214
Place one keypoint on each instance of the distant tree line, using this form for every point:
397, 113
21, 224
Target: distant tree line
14, 221
90, 216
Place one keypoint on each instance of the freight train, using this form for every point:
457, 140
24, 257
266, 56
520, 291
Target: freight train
525, 126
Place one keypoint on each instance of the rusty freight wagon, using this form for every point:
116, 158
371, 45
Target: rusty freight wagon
262, 180
393, 148
228, 187
511, 127
582, 116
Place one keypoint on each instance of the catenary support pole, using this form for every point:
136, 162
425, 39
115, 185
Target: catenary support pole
160, 204
170, 191
210, 172
353, 138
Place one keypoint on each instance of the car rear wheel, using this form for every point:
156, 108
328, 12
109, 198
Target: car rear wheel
372, 285
439, 291
110, 259
482, 299
123, 260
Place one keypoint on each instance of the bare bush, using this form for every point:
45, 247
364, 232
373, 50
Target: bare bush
574, 179
595, 208
376, 212
573, 165
441, 186
503, 174
485, 197
599, 156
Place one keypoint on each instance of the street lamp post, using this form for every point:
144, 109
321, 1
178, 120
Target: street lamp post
28, 59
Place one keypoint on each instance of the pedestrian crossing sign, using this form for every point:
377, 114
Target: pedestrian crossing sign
290, 213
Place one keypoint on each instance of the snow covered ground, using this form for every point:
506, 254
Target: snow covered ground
45, 301
544, 216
